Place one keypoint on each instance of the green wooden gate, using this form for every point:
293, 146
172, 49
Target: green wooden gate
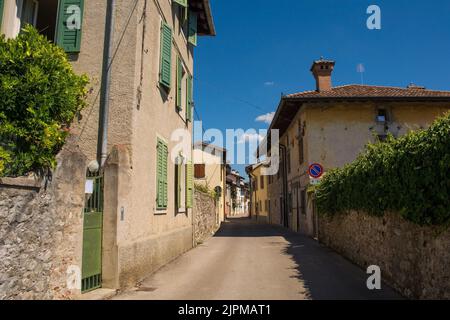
92, 237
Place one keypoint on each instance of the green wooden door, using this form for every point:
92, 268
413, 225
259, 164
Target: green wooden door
92, 238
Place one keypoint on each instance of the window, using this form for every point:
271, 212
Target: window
59, 21
289, 206
303, 201
200, 171
2, 4
288, 155
268, 211
165, 72
161, 175
189, 98
184, 184
192, 32
262, 182
29, 12
183, 17
301, 154
181, 82
255, 184
189, 186
180, 183
382, 116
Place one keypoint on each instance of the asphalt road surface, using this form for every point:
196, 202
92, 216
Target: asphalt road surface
249, 261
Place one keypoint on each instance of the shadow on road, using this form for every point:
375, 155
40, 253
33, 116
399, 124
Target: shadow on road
324, 273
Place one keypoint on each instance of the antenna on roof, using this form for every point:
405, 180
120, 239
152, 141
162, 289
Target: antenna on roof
361, 69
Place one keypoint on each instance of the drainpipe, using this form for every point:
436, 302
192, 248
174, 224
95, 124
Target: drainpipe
102, 144
252, 193
285, 187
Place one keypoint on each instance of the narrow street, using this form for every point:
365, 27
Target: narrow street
250, 261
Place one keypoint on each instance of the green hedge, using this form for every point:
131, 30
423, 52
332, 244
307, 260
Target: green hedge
409, 175
39, 96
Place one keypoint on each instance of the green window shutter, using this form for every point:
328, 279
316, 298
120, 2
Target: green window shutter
189, 185
193, 28
2, 2
68, 36
183, 3
189, 100
161, 175
178, 182
166, 56
179, 83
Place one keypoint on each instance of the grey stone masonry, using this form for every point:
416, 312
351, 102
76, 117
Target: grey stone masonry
41, 229
205, 217
414, 260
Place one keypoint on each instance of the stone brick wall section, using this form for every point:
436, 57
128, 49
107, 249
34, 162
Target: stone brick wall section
205, 217
414, 260
41, 229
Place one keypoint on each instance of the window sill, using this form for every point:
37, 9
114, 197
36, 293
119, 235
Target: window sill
161, 212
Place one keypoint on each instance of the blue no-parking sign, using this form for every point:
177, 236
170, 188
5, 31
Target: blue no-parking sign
316, 170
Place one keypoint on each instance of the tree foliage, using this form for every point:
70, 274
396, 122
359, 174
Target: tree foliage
409, 175
40, 96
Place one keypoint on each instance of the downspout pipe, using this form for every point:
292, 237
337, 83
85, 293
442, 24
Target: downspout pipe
253, 194
102, 142
285, 186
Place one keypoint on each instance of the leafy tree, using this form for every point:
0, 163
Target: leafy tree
40, 96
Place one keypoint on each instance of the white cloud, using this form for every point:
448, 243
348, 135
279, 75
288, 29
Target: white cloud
250, 137
267, 118
269, 83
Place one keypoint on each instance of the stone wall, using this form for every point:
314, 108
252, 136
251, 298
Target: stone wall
205, 217
414, 260
41, 229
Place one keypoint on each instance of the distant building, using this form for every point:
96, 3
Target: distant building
259, 207
237, 196
331, 126
210, 170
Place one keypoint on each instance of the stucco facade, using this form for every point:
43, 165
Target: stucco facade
137, 237
213, 160
332, 130
260, 203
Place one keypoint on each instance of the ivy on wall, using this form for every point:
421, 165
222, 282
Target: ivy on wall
39, 97
409, 175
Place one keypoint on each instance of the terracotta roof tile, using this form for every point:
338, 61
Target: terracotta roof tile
365, 91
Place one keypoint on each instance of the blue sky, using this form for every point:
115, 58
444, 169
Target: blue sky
265, 48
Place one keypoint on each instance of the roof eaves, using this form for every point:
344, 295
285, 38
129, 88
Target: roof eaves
209, 17
365, 98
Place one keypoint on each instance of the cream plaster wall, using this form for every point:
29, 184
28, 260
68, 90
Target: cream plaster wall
215, 176
335, 133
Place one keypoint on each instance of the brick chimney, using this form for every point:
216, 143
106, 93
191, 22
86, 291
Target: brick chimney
322, 70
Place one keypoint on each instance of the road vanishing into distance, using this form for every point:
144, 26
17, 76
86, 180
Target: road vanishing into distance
250, 261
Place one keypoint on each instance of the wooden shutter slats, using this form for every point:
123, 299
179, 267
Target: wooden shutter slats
69, 39
179, 84
189, 186
161, 175
189, 98
183, 3
166, 55
2, 3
